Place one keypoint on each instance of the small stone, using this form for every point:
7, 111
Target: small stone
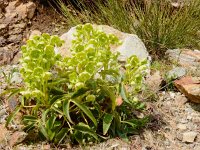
2, 41
119, 101
17, 137
179, 136
167, 143
12, 7
172, 95
15, 38
190, 87
196, 147
176, 73
189, 117
189, 136
11, 18
180, 100
30, 9
3, 29
19, 25
181, 126
196, 119
16, 78
12, 103
154, 81
4, 133
183, 121
33, 33
2, 112
46, 147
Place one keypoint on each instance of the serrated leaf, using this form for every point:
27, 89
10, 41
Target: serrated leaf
86, 111
107, 120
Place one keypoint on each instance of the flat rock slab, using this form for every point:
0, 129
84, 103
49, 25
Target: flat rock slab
186, 58
190, 87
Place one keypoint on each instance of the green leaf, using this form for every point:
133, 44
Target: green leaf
35, 53
43, 131
44, 115
11, 116
79, 92
28, 118
46, 36
61, 135
86, 130
29, 127
49, 51
123, 93
107, 120
84, 76
131, 123
50, 134
50, 122
111, 95
57, 91
86, 111
66, 105
136, 123
13, 92
79, 137
123, 135
55, 99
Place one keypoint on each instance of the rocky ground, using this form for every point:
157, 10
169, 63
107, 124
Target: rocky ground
18, 19
175, 122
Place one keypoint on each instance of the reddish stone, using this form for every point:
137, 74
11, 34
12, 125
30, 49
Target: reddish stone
190, 87
119, 101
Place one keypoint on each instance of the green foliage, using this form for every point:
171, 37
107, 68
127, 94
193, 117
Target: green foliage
75, 97
163, 26
156, 22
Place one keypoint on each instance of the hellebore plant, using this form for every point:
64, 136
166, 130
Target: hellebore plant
86, 97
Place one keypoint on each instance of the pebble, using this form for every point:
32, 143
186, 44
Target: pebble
172, 94
183, 121
197, 147
167, 143
176, 73
196, 119
179, 136
189, 117
16, 78
189, 136
182, 126
2, 112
